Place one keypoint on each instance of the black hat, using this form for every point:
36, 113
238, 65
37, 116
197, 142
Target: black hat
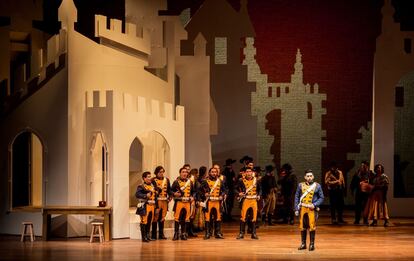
287, 167
257, 169
269, 168
229, 161
246, 158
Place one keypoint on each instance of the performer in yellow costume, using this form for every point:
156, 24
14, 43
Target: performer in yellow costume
146, 194
163, 184
248, 193
212, 192
183, 192
308, 198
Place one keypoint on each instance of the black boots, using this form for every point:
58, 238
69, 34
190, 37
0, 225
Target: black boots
269, 220
303, 243
154, 231
148, 230
303, 240
176, 231
312, 240
184, 229
161, 230
143, 228
217, 230
242, 229
254, 236
263, 219
208, 230
190, 230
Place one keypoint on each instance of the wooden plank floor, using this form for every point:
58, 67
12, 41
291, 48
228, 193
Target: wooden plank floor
276, 242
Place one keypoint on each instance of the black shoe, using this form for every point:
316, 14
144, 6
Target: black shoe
161, 230
311, 246
374, 223
365, 221
184, 226
148, 232
207, 228
303, 240
269, 220
242, 229
334, 222
217, 230
291, 222
176, 231
144, 238
356, 222
386, 223
154, 231
190, 229
312, 240
254, 236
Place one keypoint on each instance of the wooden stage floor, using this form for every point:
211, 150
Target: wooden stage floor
349, 242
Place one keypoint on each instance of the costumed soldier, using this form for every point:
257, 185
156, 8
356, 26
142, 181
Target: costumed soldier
146, 195
183, 191
163, 198
226, 189
308, 198
248, 193
212, 191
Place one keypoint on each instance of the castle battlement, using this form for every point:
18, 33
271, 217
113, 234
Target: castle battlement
132, 38
282, 90
126, 102
41, 59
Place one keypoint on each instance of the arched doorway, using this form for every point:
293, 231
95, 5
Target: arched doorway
146, 152
98, 170
135, 169
26, 171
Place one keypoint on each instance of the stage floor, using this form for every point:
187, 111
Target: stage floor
276, 242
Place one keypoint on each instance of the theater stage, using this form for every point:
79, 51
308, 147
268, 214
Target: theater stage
276, 242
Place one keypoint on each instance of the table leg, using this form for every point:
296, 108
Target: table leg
107, 227
46, 226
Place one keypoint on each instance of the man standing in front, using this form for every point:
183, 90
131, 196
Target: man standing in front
249, 194
182, 190
308, 198
213, 194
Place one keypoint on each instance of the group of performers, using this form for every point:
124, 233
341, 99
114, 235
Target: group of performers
209, 194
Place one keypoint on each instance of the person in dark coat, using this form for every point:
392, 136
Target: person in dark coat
268, 187
288, 182
230, 181
361, 188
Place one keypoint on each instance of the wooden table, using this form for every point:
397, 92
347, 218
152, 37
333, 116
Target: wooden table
76, 210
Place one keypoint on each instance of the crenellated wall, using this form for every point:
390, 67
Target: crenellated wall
123, 117
138, 40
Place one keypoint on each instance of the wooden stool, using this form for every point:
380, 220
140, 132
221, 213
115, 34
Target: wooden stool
97, 228
27, 225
